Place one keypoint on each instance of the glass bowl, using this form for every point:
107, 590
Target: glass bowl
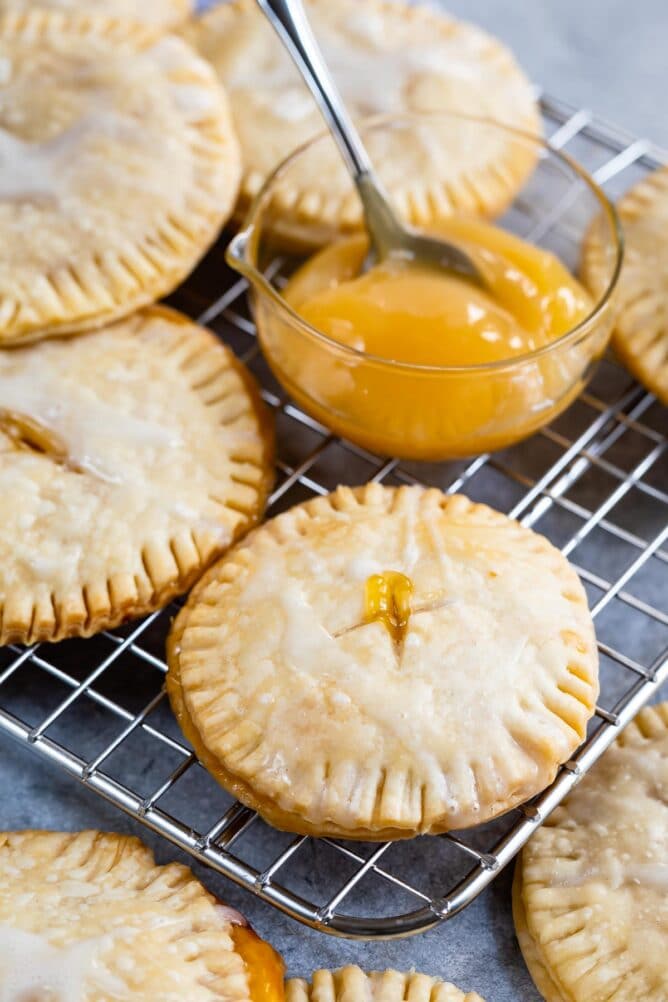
420, 411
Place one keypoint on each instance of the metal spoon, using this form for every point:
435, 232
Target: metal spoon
388, 236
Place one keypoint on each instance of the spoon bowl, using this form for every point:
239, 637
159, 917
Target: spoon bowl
390, 238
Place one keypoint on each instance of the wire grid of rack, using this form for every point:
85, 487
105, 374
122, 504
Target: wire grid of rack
593, 482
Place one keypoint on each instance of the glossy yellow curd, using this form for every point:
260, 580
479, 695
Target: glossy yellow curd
421, 369
387, 600
400, 311
264, 967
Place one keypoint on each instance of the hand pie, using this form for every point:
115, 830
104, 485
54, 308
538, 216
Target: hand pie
129, 459
589, 897
385, 662
88, 917
387, 58
162, 14
641, 331
118, 167
350, 984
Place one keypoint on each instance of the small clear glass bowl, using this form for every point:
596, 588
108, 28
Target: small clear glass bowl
419, 411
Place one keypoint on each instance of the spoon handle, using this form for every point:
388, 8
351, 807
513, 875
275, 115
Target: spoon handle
289, 20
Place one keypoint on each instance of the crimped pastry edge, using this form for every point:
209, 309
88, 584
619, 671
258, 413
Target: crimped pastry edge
487, 191
291, 821
636, 350
348, 983
97, 605
130, 275
649, 723
76, 849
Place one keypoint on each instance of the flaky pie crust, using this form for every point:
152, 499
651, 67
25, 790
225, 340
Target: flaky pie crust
351, 984
319, 722
129, 459
121, 166
161, 14
640, 337
477, 175
589, 894
155, 931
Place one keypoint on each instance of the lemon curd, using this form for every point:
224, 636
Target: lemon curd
420, 371
387, 600
263, 965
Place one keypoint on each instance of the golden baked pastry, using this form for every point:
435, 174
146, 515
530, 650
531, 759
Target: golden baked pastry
163, 14
382, 662
89, 917
387, 58
350, 984
641, 331
129, 459
589, 896
118, 166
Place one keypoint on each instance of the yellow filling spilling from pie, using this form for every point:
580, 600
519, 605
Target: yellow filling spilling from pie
30, 434
264, 967
387, 600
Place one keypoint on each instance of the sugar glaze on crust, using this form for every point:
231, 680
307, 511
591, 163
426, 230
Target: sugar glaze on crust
129, 459
120, 167
162, 14
312, 717
589, 895
388, 58
92, 916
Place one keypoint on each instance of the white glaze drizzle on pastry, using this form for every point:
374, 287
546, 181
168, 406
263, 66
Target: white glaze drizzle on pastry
626, 821
106, 435
27, 169
615, 873
32, 968
321, 660
86, 425
372, 70
53, 168
57, 165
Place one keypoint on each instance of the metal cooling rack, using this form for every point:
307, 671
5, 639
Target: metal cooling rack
593, 482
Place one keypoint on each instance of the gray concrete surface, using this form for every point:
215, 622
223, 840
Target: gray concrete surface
609, 55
